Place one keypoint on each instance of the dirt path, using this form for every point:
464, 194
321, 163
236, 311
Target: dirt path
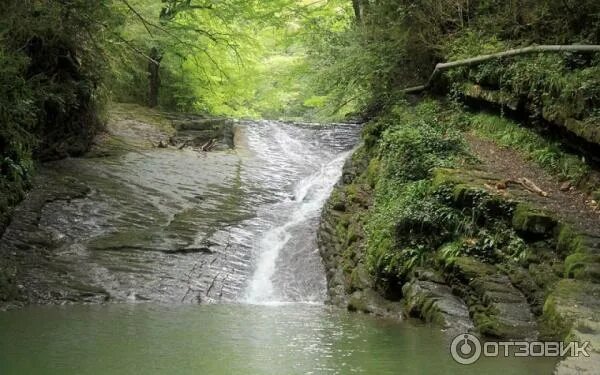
573, 205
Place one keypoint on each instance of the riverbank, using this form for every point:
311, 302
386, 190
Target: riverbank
434, 219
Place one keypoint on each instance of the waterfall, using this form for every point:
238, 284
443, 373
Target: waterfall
293, 239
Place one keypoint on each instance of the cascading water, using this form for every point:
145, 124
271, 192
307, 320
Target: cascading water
294, 240
299, 164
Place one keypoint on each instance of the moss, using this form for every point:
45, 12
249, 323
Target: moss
501, 97
583, 266
488, 325
465, 195
358, 302
432, 314
467, 268
568, 241
372, 172
353, 192
342, 226
337, 200
583, 129
431, 302
530, 221
560, 310
464, 190
445, 176
529, 286
353, 233
544, 274
359, 278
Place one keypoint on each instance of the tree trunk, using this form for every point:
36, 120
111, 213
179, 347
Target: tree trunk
357, 10
154, 77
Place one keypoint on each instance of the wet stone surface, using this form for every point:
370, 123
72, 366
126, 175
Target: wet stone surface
179, 225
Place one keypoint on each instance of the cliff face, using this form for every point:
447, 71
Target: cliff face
341, 240
432, 221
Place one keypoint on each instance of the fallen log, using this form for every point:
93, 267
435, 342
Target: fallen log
526, 183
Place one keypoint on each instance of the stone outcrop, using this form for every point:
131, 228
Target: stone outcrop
554, 293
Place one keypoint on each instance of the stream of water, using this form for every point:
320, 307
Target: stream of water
233, 230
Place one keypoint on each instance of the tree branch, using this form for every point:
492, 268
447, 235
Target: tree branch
138, 15
441, 67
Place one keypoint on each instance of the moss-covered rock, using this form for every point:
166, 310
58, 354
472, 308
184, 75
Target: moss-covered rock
452, 237
489, 324
435, 303
507, 313
583, 266
499, 97
446, 176
529, 283
569, 302
369, 301
584, 129
533, 222
467, 269
567, 240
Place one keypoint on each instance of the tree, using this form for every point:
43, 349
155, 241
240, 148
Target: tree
154, 76
208, 35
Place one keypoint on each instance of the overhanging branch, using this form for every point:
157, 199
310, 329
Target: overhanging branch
441, 67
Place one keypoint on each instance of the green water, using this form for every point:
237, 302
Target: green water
227, 339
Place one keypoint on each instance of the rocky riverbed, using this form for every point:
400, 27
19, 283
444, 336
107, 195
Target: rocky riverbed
178, 209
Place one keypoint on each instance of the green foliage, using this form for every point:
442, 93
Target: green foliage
353, 65
405, 213
51, 72
417, 220
395, 44
235, 58
386, 260
554, 87
417, 143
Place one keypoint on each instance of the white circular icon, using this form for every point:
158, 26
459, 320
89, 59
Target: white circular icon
465, 349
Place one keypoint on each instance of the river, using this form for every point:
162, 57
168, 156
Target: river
210, 265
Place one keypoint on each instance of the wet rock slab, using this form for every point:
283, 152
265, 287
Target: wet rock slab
135, 222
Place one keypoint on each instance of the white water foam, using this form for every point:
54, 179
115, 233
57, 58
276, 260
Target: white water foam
309, 196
